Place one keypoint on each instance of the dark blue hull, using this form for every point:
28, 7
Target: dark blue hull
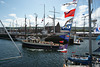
80, 60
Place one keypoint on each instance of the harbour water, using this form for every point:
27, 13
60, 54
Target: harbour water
39, 58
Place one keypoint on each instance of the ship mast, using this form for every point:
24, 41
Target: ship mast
90, 45
25, 26
16, 27
54, 19
36, 23
44, 17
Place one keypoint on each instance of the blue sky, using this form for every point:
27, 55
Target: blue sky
22, 7
12, 10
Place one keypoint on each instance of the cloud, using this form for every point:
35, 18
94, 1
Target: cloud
68, 6
6, 22
96, 15
9, 20
78, 18
21, 21
64, 8
31, 17
2, 2
13, 15
83, 9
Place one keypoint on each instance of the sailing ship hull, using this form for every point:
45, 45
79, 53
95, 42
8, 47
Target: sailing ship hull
5, 36
40, 46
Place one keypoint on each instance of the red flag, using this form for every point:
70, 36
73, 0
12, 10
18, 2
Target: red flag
61, 41
42, 20
70, 13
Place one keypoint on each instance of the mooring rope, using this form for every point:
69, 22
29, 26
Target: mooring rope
13, 43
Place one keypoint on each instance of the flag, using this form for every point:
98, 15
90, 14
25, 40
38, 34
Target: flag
66, 27
62, 36
70, 3
67, 4
61, 41
42, 20
70, 21
66, 37
98, 29
70, 13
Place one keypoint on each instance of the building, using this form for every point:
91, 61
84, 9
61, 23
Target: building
50, 28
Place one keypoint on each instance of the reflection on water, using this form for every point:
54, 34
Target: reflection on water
38, 58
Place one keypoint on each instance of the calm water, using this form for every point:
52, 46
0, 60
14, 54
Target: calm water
38, 58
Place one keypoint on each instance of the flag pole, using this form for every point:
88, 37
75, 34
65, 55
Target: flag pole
90, 44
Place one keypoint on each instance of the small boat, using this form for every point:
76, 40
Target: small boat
77, 42
63, 50
81, 40
37, 44
76, 59
83, 60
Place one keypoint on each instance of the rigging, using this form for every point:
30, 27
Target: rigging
13, 43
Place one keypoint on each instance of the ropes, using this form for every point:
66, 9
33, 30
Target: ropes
13, 43
11, 58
